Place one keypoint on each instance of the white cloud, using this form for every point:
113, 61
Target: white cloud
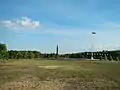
21, 23
7, 24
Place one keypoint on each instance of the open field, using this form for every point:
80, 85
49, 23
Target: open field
59, 75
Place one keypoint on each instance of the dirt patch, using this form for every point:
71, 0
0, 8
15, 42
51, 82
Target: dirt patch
49, 67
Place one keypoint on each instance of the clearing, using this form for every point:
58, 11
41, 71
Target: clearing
59, 75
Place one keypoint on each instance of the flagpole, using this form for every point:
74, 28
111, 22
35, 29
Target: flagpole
93, 33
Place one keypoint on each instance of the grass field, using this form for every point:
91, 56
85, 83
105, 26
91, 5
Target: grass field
59, 75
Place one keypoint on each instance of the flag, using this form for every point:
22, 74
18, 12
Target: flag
93, 32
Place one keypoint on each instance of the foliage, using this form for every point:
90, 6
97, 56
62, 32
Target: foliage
24, 54
3, 47
108, 55
3, 52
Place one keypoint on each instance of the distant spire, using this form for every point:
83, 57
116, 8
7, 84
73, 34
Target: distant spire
57, 50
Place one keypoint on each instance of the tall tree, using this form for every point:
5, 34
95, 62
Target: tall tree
3, 47
3, 52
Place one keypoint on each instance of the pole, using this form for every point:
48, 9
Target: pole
57, 51
93, 33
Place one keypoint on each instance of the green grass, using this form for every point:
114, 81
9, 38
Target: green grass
59, 75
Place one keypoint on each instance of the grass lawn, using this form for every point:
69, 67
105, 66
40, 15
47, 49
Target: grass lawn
59, 75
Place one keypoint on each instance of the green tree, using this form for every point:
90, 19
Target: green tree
3, 52
30, 55
26, 55
3, 47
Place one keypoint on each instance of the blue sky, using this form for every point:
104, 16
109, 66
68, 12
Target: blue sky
42, 24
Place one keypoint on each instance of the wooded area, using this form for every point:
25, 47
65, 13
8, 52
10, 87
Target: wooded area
14, 54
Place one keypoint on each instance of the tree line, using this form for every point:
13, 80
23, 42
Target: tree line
24, 54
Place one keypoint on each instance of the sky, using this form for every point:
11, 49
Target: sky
42, 24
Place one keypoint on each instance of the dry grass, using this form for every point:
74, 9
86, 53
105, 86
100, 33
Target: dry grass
59, 75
